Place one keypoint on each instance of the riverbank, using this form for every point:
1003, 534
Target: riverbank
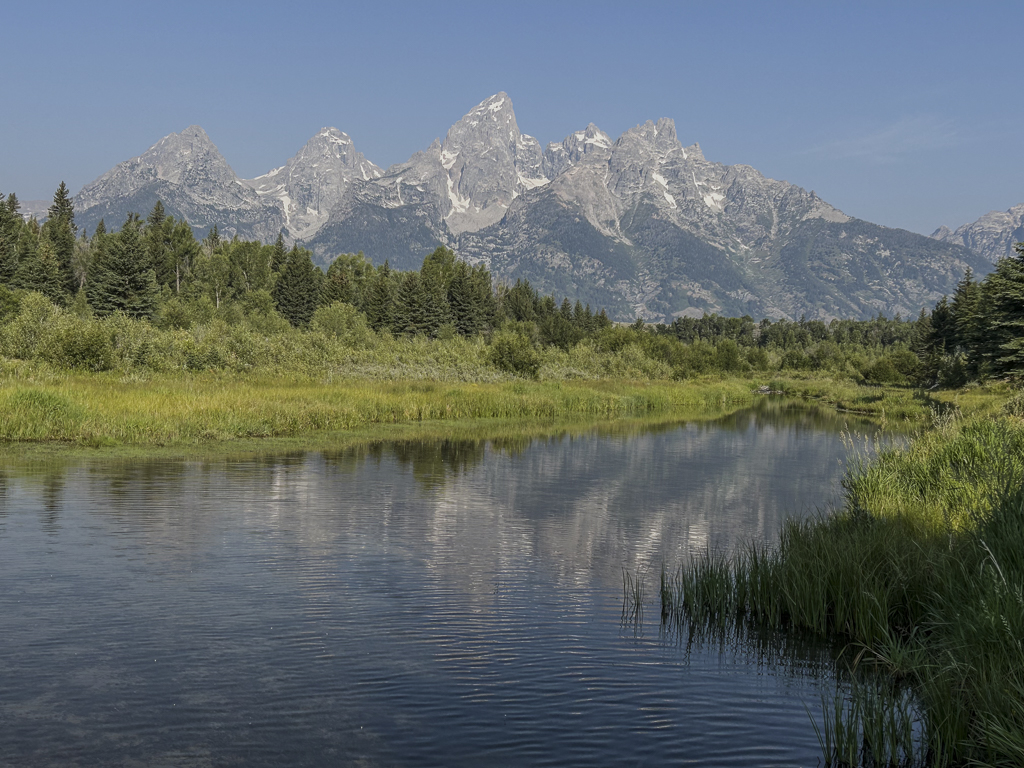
97, 410
164, 410
920, 574
44, 405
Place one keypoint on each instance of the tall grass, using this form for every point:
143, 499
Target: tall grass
169, 409
922, 571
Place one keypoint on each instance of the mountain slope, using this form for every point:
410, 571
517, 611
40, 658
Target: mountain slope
642, 225
188, 173
992, 236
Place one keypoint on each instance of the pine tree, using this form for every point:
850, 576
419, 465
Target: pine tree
379, 307
10, 233
123, 279
520, 303
471, 299
1003, 316
212, 240
280, 254
964, 310
409, 316
184, 250
60, 230
297, 290
156, 235
39, 270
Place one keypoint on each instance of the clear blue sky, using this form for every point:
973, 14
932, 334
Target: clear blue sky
906, 114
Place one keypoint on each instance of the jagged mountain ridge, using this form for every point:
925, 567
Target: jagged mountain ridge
188, 173
641, 225
993, 235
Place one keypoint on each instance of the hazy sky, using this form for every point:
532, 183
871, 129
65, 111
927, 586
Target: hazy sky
905, 114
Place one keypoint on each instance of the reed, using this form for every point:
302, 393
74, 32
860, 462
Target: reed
166, 409
922, 571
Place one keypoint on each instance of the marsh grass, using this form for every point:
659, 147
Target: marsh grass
921, 573
164, 409
634, 589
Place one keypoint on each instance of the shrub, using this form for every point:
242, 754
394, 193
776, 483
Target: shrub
72, 342
796, 360
884, 372
21, 337
343, 322
513, 353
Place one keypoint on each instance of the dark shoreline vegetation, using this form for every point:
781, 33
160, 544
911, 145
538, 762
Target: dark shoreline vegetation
148, 338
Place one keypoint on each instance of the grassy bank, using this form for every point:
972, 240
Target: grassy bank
921, 575
107, 409
43, 403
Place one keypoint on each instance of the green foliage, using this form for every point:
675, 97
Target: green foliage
78, 344
123, 279
922, 571
20, 337
297, 290
343, 322
59, 230
513, 352
347, 280
39, 269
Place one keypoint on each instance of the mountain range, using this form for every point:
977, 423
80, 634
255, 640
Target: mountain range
992, 236
641, 225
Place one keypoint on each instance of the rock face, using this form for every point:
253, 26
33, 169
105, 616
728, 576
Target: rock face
188, 173
992, 236
641, 225
314, 182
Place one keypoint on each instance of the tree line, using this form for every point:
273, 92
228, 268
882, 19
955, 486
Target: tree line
979, 332
155, 269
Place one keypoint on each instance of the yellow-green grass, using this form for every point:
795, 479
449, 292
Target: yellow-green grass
920, 571
107, 409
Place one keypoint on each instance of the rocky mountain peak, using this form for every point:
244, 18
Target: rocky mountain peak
188, 159
558, 157
641, 225
488, 162
313, 182
994, 235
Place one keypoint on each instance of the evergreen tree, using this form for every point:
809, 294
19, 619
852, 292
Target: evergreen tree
280, 254
39, 270
157, 235
122, 278
297, 290
471, 299
409, 316
10, 233
212, 240
520, 302
964, 310
184, 250
379, 307
60, 230
1003, 316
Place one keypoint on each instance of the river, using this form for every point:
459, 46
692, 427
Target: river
402, 604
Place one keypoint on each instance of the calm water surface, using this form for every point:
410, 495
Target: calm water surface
414, 604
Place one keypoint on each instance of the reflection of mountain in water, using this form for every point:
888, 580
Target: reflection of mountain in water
414, 603
574, 505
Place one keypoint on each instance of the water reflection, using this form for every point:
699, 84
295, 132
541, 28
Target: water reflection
410, 603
